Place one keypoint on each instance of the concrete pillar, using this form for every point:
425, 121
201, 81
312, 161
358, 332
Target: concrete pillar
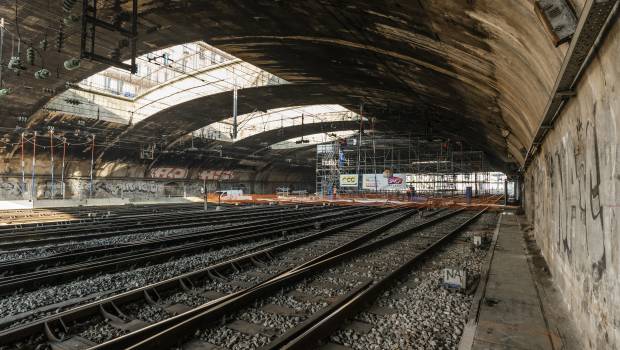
515, 186
476, 184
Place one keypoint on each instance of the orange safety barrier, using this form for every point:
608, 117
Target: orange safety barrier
396, 200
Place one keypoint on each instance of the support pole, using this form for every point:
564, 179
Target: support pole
62, 169
23, 184
52, 161
1, 46
505, 191
359, 150
515, 183
235, 126
475, 184
204, 190
92, 166
33, 189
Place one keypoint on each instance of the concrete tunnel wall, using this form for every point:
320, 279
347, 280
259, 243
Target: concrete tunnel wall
572, 199
134, 180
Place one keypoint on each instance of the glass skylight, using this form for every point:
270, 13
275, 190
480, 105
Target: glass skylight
257, 122
178, 74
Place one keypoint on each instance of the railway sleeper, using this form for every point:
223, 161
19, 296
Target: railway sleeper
152, 297
119, 320
56, 330
256, 261
187, 284
213, 273
216, 276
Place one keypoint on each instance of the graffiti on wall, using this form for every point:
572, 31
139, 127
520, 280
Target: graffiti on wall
571, 174
216, 175
168, 173
10, 189
596, 235
123, 189
181, 173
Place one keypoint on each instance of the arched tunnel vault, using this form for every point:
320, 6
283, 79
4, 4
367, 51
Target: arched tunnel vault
444, 54
271, 137
478, 71
462, 63
256, 147
200, 112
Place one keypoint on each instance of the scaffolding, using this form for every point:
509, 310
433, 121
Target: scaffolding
327, 168
402, 163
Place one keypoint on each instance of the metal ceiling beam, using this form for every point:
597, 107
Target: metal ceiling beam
595, 17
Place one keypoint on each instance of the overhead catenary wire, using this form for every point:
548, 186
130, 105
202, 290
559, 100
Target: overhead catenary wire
211, 82
54, 17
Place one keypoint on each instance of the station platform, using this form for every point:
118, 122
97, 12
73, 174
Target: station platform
516, 305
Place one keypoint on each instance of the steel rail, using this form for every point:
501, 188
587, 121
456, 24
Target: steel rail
28, 281
169, 332
185, 281
83, 214
139, 228
322, 324
152, 220
14, 267
206, 240
114, 218
113, 221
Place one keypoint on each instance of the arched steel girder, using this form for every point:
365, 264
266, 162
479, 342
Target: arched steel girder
186, 117
271, 137
259, 145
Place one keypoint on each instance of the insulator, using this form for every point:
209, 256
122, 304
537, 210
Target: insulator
42, 74
30, 55
15, 64
60, 39
67, 5
72, 63
49, 91
43, 44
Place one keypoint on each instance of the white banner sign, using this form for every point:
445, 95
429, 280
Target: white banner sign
380, 183
348, 180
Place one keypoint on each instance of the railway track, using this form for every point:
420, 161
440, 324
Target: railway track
401, 259
335, 282
344, 235
115, 227
33, 273
125, 238
112, 218
34, 217
416, 311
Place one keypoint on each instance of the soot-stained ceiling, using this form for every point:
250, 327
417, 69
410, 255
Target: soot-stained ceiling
468, 70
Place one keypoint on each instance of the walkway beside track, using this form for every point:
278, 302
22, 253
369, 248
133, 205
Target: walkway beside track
512, 311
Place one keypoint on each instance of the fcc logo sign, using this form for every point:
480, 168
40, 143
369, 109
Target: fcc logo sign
348, 180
